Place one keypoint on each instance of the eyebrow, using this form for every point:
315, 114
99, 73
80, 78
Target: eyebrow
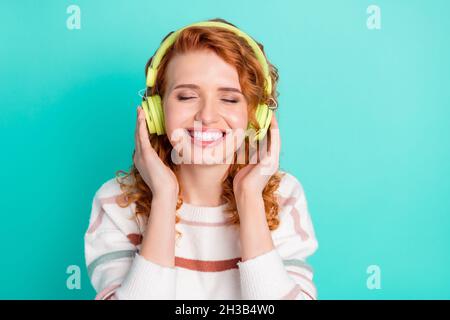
194, 86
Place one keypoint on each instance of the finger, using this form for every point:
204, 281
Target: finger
264, 146
136, 132
274, 121
253, 152
270, 162
143, 135
254, 158
275, 144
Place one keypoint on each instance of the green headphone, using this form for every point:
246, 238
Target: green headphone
152, 105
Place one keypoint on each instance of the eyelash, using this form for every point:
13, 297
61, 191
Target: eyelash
226, 100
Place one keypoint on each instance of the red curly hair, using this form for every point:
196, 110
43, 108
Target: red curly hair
237, 52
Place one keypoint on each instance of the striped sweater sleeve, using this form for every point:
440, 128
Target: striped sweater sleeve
116, 269
283, 273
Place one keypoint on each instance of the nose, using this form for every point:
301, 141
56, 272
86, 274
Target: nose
208, 112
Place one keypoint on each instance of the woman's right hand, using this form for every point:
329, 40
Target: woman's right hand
160, 178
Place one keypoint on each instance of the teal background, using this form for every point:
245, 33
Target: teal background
364, 117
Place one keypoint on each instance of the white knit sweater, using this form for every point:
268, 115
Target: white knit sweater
207, 256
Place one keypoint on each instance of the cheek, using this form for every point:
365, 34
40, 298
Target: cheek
238, 118
174, 117
174, 122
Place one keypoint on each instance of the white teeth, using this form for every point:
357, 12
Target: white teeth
206, 136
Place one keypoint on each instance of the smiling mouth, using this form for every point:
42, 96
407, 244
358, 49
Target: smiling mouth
206, 138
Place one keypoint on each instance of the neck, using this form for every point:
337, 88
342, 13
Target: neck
202, 184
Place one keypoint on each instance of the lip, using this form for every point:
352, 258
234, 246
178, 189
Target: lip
206, 144
203, 129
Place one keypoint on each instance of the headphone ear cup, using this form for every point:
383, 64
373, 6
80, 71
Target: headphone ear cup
263, 117
159, 114
146, 105
155, 115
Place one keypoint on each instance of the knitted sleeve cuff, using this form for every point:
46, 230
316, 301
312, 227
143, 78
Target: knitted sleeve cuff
264, 277
148, 281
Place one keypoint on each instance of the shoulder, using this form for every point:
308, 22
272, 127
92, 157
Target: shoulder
291, 197
290, 185
295, 233
110, 188
110, 194
110, 201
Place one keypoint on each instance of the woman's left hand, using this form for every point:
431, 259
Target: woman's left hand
253, 178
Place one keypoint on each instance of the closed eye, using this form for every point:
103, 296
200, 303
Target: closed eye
185, 98
225, 100
230, 101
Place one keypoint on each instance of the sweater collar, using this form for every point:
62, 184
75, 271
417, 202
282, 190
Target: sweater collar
192, 212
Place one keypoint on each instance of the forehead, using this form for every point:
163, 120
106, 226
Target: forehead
203, 68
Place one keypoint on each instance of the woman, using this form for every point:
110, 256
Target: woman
190, 221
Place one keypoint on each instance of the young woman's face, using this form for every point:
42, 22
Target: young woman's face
204, 94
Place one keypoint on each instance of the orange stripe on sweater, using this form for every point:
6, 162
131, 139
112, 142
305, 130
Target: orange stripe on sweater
119, 198
295, 292
284, 201
207, 265
301, 276
106, 293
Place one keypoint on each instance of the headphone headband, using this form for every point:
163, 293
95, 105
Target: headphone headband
153, 68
